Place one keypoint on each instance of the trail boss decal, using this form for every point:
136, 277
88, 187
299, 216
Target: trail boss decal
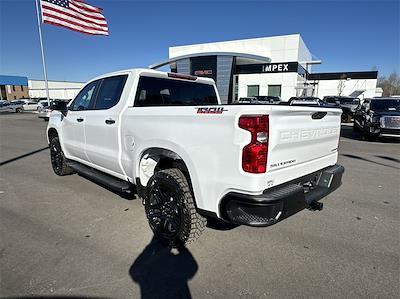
211, 110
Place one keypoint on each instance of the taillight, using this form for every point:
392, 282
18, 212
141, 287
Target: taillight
254, 158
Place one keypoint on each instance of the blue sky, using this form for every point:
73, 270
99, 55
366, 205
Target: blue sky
346, 35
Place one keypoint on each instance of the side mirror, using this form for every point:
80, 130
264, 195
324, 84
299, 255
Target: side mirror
61, 106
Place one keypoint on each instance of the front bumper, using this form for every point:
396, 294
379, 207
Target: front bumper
390, 133
280, 202
377, 131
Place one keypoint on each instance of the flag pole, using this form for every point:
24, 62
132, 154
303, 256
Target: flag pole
41, 48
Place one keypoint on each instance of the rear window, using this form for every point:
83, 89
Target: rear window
169, 92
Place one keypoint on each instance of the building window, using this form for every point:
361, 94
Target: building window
253, 90
236, 88
274, 90
13, 87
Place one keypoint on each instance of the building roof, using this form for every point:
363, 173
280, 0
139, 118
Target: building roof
343, 75
13, 80
243, 57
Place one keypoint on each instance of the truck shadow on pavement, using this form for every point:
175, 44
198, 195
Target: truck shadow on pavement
23, 156
368, 160
162, 272
221, 225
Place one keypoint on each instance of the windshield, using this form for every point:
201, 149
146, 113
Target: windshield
385, 105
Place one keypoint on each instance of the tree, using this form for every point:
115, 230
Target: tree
342, 84
390, 84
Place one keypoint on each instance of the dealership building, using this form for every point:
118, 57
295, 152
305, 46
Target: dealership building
19, 87
276, 66
62, 90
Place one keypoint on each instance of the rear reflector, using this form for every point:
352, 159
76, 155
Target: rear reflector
254, 158
182, 76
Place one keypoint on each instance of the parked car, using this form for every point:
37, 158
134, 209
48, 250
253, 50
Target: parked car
305, 101
31, 106
259, 100
347, 104
45, 110
42, 104
378, 117
190, 157
11, 107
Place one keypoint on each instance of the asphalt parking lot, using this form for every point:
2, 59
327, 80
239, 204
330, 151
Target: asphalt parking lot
67, 236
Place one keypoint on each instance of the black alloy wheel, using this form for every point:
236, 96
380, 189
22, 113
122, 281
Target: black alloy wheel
57, 158
165, 213
170, 208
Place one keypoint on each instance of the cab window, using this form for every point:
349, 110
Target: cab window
110, 91
154, 91
84, 99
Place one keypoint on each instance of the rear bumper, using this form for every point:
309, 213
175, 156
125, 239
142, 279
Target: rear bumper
282, 201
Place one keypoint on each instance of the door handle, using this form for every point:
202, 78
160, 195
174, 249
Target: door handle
110, 121
79, 120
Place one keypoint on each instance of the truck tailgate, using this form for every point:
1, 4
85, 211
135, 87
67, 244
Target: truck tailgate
301, 134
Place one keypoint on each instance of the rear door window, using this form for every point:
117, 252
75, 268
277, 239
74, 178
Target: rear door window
169, 92
110, 92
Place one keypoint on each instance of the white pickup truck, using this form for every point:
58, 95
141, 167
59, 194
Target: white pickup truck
167, 136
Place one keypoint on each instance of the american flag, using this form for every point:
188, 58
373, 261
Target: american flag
75, 15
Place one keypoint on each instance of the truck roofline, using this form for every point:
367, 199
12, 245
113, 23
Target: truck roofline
152, 73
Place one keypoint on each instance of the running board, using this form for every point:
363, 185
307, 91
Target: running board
100, 177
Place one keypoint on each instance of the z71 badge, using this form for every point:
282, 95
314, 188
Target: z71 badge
211, 110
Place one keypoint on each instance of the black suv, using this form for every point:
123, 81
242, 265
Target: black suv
378, 117
348, 105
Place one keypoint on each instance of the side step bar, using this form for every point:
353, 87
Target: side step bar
100, 177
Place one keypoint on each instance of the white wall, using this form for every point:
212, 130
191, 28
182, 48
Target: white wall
57, 89
287, 80
304, 54
331, 87
283, 48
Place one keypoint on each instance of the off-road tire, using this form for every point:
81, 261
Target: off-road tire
57, 158
180, 208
